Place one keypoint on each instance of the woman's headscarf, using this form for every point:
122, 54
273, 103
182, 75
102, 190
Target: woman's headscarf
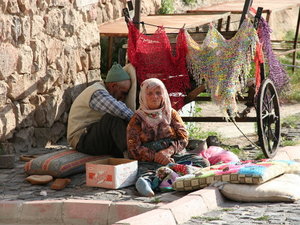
153, 117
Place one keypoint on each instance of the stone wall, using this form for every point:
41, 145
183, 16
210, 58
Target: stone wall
49, 52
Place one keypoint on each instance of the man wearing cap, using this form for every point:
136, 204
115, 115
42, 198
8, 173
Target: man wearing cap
98, 117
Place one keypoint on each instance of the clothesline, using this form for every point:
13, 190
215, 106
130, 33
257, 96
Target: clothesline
175, 28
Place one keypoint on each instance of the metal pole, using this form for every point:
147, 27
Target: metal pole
137, 14
295, 41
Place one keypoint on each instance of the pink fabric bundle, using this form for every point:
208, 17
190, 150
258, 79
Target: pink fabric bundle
215, 154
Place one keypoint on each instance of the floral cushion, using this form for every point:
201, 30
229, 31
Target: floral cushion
247, 172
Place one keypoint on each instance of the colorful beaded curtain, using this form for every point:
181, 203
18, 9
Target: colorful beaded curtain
152, 56
223, 64
276, 71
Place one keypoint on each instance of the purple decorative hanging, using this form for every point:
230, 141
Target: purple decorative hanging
276, 71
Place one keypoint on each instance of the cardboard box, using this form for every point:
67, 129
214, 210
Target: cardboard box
111, 173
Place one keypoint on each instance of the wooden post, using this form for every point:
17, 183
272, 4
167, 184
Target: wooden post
228, 23
247, 5
137, 14
295, 42
109, 52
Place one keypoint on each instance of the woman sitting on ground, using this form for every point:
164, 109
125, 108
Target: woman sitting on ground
156, 133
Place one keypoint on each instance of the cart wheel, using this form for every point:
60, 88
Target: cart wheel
268, 118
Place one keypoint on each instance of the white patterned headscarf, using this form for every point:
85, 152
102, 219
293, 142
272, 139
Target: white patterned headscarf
153, 117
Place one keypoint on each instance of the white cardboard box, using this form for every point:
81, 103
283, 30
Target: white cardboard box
111, 173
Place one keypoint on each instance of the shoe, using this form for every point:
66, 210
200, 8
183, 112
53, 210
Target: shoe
27, 158
144, 187
213, 141
60, 183
39, 179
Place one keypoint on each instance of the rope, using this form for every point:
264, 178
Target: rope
255, 145
175, 28
295, 66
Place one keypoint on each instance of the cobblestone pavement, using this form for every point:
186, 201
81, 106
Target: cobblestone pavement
233, 213
13, 185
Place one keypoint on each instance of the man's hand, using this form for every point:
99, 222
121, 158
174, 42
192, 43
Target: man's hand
164, 156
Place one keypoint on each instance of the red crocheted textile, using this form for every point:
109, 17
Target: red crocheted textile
152, 56
258, 59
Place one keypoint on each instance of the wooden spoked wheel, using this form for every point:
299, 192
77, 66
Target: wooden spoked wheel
268, 118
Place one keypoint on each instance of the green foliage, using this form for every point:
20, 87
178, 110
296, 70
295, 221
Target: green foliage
227, 209
289, 143
207, 218
196, 132
156, 200
260, 155
189, 2
290, 121
262, 218
293, 94
167, 7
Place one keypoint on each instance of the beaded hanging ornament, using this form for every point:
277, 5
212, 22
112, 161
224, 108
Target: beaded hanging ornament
152, 56
276, 71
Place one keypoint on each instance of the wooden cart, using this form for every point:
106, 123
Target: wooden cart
266, 102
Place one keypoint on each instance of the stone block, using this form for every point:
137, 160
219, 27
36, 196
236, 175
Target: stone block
10, 212
25, 59
185, 208
25, 113
7, 121
21, 86
3, 92
57, 131
92, 212
13, 7
8, 60
53, 24
94, 58
42, 212
88, 35
37, 26
7, 161
42, 136
123, 210
211, 196
93, 75
156, 216
23, 139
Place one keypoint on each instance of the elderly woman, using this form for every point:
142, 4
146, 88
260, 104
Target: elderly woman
156, 132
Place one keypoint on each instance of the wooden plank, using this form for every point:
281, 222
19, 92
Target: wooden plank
217, 119
118, 28
237, 6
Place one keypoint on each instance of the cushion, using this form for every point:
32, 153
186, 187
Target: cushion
59, 163
284, 188
247, 172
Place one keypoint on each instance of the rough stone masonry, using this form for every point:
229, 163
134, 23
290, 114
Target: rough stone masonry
49, 52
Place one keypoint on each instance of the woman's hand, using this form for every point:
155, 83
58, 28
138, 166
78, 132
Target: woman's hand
164, 156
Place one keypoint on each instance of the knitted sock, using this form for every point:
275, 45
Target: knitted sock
143, 186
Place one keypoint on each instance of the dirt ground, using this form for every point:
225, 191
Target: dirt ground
228, 130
